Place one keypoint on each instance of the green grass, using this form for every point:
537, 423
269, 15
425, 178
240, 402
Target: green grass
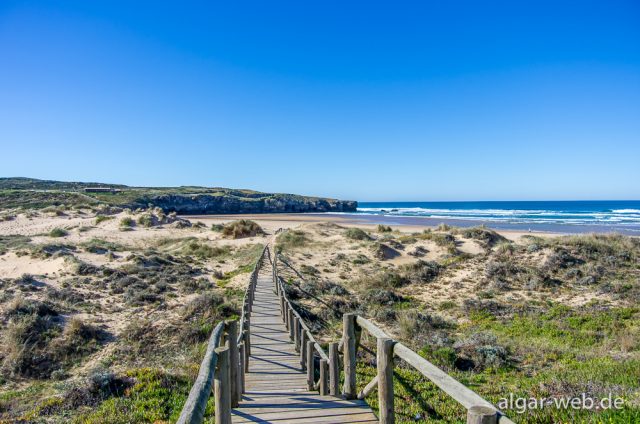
10, 199
157, 396
229, 275
202, 250
13, 242
416, 398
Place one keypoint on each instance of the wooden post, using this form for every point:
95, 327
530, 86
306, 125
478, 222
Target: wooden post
247, 347
286, 315
234, 361
349, 352
291, 324
296, 333
310, 366
334, 370
384, 358
242, 368
482, 415
222, 387
324, 378
303, 349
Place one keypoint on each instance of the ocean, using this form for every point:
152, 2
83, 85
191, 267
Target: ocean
621, 216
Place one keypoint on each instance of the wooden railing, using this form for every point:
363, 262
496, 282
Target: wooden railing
387, 351
225, 362
312, 356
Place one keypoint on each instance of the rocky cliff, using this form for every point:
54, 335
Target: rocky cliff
32, 193
216, 204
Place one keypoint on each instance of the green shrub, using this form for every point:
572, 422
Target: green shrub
127, 223
100, 246
58, 232
447, 305
291, 239
505, 248
146, 220
241, 229
384, 228
204, 251
421, 271
103, 218
357, 234
483, 234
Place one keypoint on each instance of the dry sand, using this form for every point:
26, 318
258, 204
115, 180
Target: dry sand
290, 220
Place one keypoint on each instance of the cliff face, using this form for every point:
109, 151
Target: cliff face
33, 193
208, 204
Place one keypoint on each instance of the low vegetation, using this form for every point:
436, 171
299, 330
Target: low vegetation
241, 229
58, 232
111, 326
292, 239
357, 234
537, 317
127, 223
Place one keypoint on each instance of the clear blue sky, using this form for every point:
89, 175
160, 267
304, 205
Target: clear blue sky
441, 100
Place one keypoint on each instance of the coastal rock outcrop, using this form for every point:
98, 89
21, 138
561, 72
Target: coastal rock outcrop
211, 204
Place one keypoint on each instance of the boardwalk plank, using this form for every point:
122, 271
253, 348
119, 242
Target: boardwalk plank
276, 386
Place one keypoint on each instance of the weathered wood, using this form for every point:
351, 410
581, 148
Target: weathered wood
296, 333
194, 407
222, 387
481, 415
246, 342
366, 391
334, 370
463, 395
384, 359
349, 339
310, 366
303, 350
324, 377
370, 327
286, 314
276, 387
234, 363
291, 324
242, 368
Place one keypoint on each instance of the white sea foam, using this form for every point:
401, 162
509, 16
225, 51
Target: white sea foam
613, 217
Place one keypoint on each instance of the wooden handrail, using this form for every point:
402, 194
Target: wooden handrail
225, 362
458, 391
478, 409
305, 343
193, 410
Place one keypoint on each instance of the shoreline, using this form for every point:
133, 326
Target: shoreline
418, 223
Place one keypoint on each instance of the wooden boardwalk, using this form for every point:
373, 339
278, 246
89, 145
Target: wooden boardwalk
276, 385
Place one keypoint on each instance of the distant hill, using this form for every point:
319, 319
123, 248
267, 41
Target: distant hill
34, 193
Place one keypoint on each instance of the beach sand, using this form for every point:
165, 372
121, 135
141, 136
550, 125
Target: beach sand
271, 222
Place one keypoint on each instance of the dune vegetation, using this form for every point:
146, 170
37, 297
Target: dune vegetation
537, 316
105, 325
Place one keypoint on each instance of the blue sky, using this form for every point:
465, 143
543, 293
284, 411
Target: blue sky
362, 100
